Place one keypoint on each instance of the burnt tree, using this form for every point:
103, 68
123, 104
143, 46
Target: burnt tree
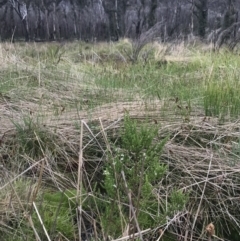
111, 9
20, 8
201, 12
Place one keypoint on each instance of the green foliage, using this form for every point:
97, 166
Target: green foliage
177, 201
138, 157
14, 78
57, 210
33, 139
57, 213
175, 80
65, 198
222, 98
137, 141
19, 194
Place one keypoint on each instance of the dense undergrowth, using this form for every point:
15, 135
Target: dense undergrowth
94, 146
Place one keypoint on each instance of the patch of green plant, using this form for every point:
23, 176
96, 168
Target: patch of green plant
221, 96
170, 80
15, 200
177, 201
57, 212
17, 191
131, 175
14, 78
32, 138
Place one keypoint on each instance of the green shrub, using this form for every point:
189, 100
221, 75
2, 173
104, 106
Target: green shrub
134, 169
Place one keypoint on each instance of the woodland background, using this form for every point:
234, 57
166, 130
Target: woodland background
104, 20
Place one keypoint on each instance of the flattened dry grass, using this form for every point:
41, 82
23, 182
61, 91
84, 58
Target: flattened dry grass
46, 93
202, 158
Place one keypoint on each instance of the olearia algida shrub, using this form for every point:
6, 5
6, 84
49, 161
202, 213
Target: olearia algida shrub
132, 173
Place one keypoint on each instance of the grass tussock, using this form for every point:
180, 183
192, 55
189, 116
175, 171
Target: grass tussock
94, 146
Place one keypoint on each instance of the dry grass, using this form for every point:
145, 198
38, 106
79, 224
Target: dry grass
202, 154
201, 157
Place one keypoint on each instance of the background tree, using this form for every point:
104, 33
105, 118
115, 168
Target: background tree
20, 8
201, 12
111, 9
230, 26
230, 15
152, 13
112, 19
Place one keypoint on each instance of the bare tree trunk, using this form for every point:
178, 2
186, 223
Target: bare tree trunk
116, 19
152, 13
74, 9
192, 17
47, 33
175, 23
21, 10
54, 20
38, 24
66, 25
111, 9
4, 24
201, 11
26, 28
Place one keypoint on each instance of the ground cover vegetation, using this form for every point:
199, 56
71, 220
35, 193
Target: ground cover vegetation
100, 143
